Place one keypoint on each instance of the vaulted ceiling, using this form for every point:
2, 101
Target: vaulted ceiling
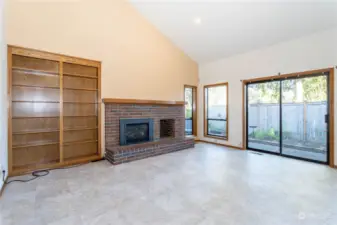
208, 30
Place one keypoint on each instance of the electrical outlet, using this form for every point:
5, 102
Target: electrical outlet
3, 173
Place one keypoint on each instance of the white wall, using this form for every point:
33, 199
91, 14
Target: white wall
138, 61
316, 51
3, 98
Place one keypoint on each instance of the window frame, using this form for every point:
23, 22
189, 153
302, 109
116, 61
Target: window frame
194, 109
206, 119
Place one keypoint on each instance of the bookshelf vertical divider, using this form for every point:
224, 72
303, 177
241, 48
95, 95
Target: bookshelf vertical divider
61, 111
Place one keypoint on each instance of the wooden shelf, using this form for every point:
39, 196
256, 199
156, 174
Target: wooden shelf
81, 103
79, 142
35, 71
34, 117
80, 129
35, 132
77, 160
77, 75
43, 117
18, 170
80, 89
32, 86
94, 156
36, 101
81, 116
36, 145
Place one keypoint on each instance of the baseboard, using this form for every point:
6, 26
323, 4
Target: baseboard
97, 160
215, 143
3, 187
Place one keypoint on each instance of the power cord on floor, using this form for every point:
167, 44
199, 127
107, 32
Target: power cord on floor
35, 174
39, 173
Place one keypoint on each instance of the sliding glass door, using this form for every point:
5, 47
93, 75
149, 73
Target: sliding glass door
263, 113
289, 117
304, 112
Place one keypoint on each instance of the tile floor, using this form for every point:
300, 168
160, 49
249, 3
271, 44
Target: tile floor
206, 185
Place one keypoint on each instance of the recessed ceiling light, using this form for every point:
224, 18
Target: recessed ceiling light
197, 20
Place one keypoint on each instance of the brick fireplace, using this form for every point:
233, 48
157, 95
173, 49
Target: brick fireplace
137, 129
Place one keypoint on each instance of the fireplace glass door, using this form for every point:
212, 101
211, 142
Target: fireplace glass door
134, 131
137, 133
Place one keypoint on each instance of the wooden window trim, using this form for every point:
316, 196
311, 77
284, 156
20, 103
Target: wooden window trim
205, 112
194, 108
299, 74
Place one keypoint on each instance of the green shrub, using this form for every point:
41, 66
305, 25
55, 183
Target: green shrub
271, 134
259, 134
188, 113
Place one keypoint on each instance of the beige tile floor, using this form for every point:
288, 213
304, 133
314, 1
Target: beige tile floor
206, 185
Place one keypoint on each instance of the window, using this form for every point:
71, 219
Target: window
216, 111
190, 93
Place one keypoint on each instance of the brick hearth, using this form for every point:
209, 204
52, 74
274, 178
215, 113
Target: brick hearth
117, 154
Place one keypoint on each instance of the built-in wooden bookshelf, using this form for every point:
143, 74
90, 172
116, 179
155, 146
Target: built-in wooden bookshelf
54, 111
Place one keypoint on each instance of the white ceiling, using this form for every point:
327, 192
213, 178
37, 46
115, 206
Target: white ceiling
231, 27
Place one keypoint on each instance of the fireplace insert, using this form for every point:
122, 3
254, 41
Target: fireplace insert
134, 131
